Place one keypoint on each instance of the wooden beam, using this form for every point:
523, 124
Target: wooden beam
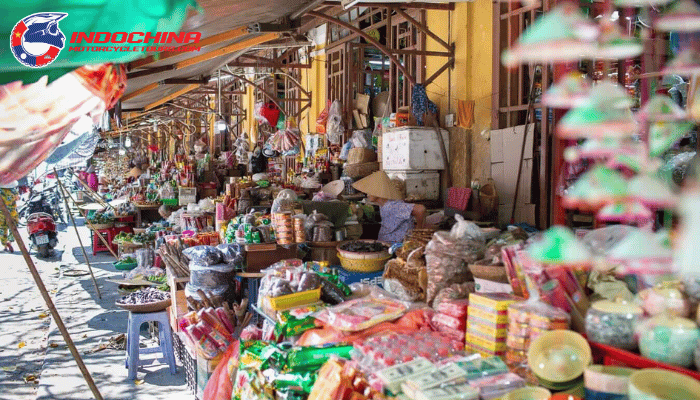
222, 37
437, 73
422, 28
267, 65
150, 71
244, 44
184, 81
139, 92
272, 98
420, 6
167, 98
371, 40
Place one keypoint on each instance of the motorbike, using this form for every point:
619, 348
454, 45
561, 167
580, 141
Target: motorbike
44, 199
42, 232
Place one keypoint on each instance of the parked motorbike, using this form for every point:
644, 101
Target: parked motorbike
44, 199
42, 232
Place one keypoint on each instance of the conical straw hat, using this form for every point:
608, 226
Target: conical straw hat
135, 172
379, 185
334, 188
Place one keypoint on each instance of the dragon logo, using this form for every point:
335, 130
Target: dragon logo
37, 40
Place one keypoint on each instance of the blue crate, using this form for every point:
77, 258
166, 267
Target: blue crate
369, 278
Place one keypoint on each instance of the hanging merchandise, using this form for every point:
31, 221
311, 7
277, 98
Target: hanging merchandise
323, 119
420, 104
270, 112
258, 163
334, 127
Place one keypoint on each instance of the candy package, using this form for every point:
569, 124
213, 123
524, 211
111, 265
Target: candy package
359, 314
449, 321
294, 322
455, 308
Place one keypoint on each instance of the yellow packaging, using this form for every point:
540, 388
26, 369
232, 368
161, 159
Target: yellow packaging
486, 344
487, 330
493, 318
494, 301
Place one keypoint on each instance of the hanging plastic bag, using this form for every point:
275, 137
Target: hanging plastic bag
323, 119
257, 112
271, 113
334, 126
220, 384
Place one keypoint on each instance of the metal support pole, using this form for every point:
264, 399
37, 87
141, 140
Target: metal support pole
52, 308
70, 214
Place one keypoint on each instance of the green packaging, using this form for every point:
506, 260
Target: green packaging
295, 381
296, 321
307, 357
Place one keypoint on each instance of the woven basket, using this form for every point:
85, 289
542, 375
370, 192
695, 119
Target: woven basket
361, 170
366, 265
146, 308
495, 273
97, 227
361, 155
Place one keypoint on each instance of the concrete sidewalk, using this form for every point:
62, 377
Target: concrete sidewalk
92, 321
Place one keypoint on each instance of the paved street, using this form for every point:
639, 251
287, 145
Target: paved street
34, 360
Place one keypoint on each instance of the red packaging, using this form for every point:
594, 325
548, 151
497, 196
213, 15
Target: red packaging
452, 333
454, 308
451, 322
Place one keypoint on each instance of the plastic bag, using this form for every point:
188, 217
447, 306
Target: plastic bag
191, 291
359, 314
208, 255
232, 253
220, 384
361, 139
447, 257
466, 230
345, 150
334, 126
210, 276
395, 287
145, 257
271, 113
322, 119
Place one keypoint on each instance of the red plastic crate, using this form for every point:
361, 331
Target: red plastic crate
607, 355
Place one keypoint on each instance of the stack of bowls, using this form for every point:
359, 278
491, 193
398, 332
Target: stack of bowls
659, 384
528, 393
606, 383
558, 359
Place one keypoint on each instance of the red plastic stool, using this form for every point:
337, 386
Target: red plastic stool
97, 244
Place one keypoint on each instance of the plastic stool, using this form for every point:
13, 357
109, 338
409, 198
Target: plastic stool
165, 341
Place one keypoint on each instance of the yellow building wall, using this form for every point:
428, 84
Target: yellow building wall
470, 28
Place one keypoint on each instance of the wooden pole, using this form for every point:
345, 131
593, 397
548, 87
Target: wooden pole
70, 214
92, 193
52, 308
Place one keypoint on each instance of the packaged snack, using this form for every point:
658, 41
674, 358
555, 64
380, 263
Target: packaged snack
394, 376
445, 374
454, 308
360, 314
483, 366
451, 322
296, 321
496, 386
314, 357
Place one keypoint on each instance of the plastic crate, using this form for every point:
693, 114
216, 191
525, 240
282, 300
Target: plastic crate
295, 299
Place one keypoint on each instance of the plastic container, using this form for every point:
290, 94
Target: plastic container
613, 323
669, 339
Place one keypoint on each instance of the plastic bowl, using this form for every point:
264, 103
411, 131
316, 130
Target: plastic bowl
659, 384
528, 393
559, 356
607, 379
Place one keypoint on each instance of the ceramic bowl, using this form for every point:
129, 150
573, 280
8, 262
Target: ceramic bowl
528, 393
658, 299
613, 323
659, 384
669, 339
607, 380
561, 386
559, 356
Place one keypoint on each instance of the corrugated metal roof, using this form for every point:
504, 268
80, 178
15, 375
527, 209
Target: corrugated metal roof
219, 16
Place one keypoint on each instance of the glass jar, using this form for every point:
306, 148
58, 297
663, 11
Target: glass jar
669, 339
613, 323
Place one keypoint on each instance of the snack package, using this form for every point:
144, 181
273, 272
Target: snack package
495, 386
454, 308
359, 314
315, 357
203, 255
448, 254
296, 321
450, 322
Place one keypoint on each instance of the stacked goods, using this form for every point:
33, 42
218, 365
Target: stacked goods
451, 318
339, 379
487, 324
283, 228
299, 231
406, 276
381, 352
210, 275
211, 330
526, 321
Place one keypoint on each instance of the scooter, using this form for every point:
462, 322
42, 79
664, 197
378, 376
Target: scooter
42, 232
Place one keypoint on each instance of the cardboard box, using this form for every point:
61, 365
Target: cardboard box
486, 286
362, 103
204, 370
369, 278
